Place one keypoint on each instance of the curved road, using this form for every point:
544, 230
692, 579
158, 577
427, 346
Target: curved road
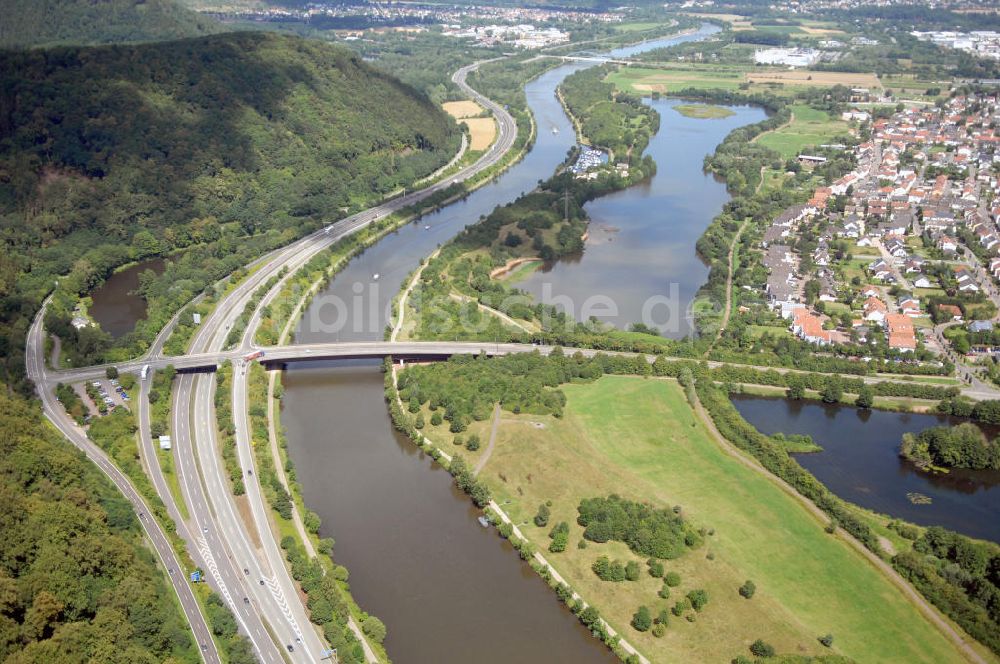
222, 542
35, 358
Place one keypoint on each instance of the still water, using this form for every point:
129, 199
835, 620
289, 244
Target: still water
116, 306
860, 463
447, 589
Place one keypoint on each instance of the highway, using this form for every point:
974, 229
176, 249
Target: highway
35, 359
264, 598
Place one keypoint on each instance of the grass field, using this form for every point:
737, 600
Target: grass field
640, 439
703, 111
809, 127
645, 80
674, 77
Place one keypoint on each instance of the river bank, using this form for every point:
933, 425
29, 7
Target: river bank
346, 453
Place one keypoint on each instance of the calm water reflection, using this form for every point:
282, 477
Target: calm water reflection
116, 306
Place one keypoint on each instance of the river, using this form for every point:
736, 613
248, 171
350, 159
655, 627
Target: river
860, 463
447, 589
638, 263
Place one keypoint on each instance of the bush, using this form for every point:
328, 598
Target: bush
542, 515
698, 599
436, 419
664, 592
560, 537
659, 629
473, 443
655, 568
827, 640
642, 620
762, 648
748, 589
632, 570
607, 570
672, 579
680, 607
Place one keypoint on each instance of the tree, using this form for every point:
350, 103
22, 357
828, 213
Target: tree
748, 589
832, 391
796, 387
866, 397
642, 620
374, 629
762, 648
111, 373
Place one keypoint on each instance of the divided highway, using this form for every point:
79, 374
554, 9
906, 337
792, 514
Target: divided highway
243, 561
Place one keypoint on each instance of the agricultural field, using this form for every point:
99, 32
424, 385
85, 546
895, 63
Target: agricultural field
816, 78
483, 130
735, 20
462, 109
808, 127
639, 438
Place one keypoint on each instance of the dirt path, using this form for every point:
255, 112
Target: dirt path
729, 285
493, 312
930, 612
401, 307
493, 439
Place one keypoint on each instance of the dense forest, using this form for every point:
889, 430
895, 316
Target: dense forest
50, 22
224, 145
77, 583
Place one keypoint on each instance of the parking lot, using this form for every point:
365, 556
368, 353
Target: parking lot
109, 393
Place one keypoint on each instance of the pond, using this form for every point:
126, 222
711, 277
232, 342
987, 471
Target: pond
860, 462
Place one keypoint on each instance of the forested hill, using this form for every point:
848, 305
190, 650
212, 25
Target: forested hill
27, 23
77, 583
114, 153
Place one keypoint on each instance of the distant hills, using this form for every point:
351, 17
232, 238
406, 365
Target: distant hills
29, 23
112, 153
